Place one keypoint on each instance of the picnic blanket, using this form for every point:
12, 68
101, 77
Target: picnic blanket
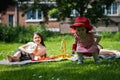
104, 54
74, 58
54, 58
6, 62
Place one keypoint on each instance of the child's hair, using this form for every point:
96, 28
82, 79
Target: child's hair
42, 41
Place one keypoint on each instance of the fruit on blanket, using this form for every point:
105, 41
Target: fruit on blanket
59, 56
42, 58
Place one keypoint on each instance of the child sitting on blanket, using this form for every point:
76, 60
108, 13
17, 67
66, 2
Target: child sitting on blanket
30, 50
84, 40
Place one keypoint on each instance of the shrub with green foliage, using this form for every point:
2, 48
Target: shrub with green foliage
106, 34
24, 34
21, 34
7, 33
44, 32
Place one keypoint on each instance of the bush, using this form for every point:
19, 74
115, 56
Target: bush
106, 34
22, 34
7, 33
45, 33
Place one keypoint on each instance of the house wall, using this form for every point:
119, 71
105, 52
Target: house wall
22, 19
4, 15
63, 27
52, 24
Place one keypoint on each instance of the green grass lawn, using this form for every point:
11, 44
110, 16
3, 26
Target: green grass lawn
63, 70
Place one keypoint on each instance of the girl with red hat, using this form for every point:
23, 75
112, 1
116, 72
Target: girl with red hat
84, 40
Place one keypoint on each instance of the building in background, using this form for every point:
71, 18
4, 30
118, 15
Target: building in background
13, 16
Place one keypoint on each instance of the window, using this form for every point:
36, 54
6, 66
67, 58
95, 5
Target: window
113, 10
74, 13
10, 19
34, 16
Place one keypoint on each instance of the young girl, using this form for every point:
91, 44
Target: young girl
84, 40
30, 50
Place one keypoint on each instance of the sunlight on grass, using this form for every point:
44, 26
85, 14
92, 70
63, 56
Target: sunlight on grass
53, 45
6, 47
111, 45
108, 69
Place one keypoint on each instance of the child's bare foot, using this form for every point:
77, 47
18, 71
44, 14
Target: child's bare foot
9, 58
13, 59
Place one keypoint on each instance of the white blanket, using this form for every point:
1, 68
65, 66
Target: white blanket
6, 62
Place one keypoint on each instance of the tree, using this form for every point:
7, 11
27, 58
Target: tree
92, 9
4, 4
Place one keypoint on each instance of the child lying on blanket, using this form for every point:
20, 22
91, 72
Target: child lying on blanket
30, 50
108, 53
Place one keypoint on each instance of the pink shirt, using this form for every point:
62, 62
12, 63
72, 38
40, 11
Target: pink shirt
86, 45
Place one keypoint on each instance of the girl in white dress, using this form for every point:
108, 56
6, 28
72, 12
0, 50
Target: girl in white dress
30, 50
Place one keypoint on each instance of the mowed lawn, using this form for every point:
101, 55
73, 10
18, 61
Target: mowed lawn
108, 69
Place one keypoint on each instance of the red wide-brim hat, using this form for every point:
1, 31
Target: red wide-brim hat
81, 22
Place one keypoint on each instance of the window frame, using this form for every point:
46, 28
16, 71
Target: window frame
74, 13
112, 10
36, 17
52, 19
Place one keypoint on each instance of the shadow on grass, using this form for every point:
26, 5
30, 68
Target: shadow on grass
64, 70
